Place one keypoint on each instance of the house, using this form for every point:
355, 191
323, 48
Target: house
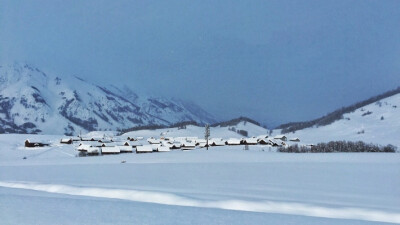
87, 139
110, 150
131, 139
175, 145
111, 144
84, 147
232, 141
104, 140
191, 139
144, 149
66, 141
134, 143
153, 141
122, 143
155, 147
163, 149
125, 149
264, 136
281, 137
91, 143
188, 145
296, 139
264, 141
216, 142
201, 142
29, 144
250, 141
166, 144
277, 142
76, 139
92, 151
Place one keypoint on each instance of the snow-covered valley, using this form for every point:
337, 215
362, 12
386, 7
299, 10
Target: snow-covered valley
224, 185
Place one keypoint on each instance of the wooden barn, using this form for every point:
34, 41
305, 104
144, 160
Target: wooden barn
29, 144
66, 141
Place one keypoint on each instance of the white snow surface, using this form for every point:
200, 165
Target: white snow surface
377, 123
224, 185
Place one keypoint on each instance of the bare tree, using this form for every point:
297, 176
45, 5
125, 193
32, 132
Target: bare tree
207, 134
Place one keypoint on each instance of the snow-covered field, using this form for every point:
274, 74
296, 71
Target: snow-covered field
224, 185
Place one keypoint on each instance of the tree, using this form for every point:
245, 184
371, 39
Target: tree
207, 134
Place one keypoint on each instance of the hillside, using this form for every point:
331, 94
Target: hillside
336, 115
32, 101
217, 131
377, 122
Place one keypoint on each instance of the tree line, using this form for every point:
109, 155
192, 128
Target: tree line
338, 146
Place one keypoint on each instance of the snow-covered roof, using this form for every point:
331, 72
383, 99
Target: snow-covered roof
201, 141
144, 148
251, 140
188, 144
113, 149
294, 139
264, 136
163, 149
216, 142
121, 143
83, 147
125, 148
92, 150
66, 139
233, 141
153, 141
279, 137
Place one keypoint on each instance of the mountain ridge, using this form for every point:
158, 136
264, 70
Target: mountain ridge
33, 101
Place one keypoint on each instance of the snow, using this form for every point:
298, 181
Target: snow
224, 185
360, 125
29, 95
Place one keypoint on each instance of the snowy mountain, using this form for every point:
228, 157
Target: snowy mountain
376, 122
32, 101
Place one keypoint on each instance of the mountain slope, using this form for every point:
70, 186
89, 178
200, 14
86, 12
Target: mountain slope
32, 101
336, 115
377, 122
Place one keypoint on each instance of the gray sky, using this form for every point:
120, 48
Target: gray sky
274, 61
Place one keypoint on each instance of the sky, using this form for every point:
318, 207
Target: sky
273, 61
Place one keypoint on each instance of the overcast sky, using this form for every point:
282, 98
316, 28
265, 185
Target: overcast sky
274, 61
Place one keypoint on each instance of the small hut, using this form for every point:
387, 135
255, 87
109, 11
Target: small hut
66, 141
29, 144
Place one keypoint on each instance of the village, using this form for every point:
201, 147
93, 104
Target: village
106, 145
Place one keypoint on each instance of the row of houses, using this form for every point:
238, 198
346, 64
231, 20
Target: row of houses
165, 144
106, 150
278, 140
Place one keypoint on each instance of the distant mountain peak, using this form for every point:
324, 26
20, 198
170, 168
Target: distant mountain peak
33, 101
